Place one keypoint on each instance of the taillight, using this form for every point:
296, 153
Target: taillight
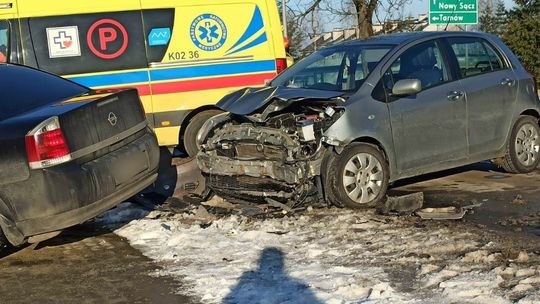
281, 65
46, 145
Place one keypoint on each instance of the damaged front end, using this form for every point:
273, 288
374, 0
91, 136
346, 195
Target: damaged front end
272, 154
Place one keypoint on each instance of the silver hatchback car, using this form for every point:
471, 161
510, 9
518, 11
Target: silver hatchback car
348, 120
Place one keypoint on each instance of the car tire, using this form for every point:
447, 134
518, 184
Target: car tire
193, 127
359, 177
523, 148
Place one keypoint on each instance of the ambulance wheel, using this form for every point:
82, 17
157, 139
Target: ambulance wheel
193, 127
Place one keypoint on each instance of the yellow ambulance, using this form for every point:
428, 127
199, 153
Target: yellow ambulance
182, 55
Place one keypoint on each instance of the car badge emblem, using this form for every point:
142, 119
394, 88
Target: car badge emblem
112, 119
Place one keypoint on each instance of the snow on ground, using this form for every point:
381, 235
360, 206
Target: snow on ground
331, 256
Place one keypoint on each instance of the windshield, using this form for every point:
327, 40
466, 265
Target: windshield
341, 69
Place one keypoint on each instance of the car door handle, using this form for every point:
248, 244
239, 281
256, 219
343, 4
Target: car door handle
455, 95
507, 82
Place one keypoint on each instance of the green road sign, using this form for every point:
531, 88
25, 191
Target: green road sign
453, 12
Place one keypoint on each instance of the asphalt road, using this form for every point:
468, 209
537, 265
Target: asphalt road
84, 264
509, 203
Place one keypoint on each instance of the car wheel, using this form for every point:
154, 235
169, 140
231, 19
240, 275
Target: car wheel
360, 176
193, 127
523, 147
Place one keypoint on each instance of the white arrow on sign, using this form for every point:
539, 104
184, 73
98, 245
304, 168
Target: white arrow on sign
435, 18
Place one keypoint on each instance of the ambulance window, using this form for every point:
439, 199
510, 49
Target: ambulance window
4, 40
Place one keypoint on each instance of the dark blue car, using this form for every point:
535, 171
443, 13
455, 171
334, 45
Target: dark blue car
67, 153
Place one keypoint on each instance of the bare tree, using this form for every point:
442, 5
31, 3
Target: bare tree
364, 12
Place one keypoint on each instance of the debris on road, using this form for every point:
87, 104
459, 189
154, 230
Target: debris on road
402, 205
190, 179
449, 213
518, 200
178, 205
445, 213
273, 203
218, 202
530, 220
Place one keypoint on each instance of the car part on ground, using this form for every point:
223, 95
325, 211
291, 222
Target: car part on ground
405, 204
67, 154
190, 179
346, 121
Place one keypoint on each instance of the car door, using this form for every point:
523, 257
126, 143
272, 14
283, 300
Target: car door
491, 87
428, 128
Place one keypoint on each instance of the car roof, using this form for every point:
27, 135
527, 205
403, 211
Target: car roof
400, 38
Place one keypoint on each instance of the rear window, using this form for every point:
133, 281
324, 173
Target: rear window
24, 89
475, 56
341, 69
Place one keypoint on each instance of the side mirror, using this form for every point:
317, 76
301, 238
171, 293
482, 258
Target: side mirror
406, 87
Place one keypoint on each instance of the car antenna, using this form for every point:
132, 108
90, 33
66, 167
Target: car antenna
453, 14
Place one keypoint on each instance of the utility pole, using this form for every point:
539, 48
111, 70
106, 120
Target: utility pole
284, 13
313, 27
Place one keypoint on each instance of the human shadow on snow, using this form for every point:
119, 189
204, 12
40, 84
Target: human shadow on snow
270, 284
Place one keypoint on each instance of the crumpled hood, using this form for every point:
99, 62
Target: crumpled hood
249, 100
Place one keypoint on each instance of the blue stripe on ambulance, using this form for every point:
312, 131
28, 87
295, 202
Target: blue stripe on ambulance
255, 25
111, 79
261, 39
119, 79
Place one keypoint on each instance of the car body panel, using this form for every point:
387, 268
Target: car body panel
247, 101
428, 128
488, 102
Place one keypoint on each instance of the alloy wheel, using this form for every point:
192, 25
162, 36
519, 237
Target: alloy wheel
527, 144
363, 178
